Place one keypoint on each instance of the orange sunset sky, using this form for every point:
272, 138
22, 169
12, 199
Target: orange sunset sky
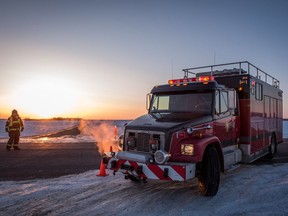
99, 59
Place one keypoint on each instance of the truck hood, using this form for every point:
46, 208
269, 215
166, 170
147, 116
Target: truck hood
167, 122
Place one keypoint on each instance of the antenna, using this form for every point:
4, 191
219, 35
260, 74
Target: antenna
214, 63
172, 68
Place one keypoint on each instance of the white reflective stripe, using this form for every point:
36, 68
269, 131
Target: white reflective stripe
190, 171
149, 174
172, 173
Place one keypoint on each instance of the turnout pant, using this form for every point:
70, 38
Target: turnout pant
14, 137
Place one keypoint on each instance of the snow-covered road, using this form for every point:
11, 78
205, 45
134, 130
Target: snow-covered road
249, 190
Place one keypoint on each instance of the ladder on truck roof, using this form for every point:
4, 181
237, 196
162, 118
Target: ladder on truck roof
243, 67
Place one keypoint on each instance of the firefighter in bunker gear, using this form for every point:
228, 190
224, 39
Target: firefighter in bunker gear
14, 125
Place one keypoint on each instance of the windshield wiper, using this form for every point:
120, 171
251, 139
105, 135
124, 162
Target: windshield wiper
185, 112
159, 111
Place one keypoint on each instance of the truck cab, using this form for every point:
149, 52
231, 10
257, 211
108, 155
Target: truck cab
192, 129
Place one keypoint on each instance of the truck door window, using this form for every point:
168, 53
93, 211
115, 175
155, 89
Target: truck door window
232, 101
217, 103
221, 102
224, 101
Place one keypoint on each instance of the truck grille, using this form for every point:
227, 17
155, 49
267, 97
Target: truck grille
143, 142
136, 140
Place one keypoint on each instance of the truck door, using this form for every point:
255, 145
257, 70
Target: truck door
225, 119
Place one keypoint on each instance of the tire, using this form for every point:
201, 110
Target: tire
209, 178
272, 148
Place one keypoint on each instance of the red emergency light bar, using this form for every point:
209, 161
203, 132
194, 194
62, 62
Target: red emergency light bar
194, 79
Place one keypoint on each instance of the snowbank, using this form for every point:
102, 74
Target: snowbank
249, 190
46, 127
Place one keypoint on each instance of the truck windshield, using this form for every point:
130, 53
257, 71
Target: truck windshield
181, 105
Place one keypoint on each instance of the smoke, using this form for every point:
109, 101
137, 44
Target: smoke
105, 134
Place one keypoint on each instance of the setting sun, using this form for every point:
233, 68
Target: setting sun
46, 97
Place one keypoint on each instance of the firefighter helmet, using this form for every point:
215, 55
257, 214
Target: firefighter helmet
14, 111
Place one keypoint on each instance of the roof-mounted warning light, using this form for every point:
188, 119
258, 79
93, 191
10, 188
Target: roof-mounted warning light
184, 81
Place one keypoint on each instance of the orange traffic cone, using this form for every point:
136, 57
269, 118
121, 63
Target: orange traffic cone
102, 172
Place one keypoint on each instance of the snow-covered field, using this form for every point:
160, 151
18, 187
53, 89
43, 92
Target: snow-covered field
249, 190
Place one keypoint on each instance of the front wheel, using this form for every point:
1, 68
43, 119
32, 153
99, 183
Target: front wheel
209, 178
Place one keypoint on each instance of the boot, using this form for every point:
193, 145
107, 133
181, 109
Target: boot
16, 148
8, 148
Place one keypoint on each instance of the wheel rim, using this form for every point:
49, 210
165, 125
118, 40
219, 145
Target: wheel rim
201, 184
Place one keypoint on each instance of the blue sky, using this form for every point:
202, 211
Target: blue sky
98, 59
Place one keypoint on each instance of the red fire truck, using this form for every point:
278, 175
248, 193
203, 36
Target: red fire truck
208, 122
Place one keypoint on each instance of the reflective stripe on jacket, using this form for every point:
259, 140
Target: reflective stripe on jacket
14, 123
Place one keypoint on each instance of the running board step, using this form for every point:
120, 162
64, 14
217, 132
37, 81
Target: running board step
231, 158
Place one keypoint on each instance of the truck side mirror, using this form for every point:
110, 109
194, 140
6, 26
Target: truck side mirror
148, 99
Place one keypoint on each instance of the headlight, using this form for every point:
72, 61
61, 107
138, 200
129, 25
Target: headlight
154, 145
187, 149
161, 156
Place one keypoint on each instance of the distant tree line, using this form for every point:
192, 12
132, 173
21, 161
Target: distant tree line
53, 119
